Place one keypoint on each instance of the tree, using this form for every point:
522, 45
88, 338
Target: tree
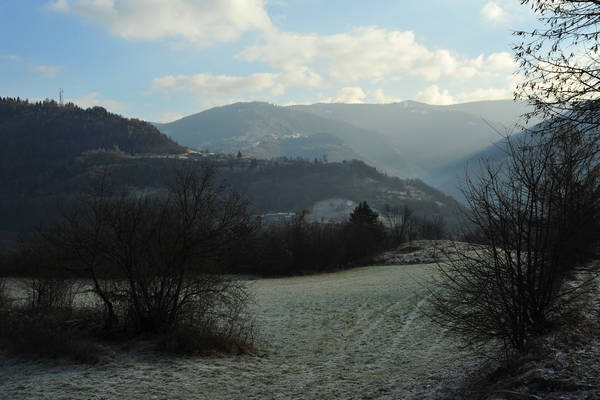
433, 228
154, 260
561, 65
365, 234
364, 215
399, 222
538, 214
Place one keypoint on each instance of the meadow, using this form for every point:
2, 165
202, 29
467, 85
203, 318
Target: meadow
358, 333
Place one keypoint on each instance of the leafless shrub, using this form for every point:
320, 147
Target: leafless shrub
559, 62
216, 319
34, 333
538, 215
3, 293
399, 222
154, 261
47, 293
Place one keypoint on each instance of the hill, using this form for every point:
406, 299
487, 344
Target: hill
267, 131
36, 135
297, 185
407, 139
52, 153
40, 144
429, 136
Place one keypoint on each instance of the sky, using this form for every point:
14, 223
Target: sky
159, 60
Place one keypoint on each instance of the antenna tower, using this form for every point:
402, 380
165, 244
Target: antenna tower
61, 97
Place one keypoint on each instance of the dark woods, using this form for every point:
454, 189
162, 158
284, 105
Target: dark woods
157, 263
149, 263
301, 247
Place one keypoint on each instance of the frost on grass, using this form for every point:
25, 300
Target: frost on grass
352, 334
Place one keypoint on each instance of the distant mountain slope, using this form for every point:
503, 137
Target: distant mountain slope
40, 147
450, 177
503, 112
428, 136
407, 139
267, 131
296, 185
36, 135
51, 152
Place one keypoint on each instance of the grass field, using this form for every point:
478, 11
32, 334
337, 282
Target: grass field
352, 334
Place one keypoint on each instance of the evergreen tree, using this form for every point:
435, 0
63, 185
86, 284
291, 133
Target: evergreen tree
364, 215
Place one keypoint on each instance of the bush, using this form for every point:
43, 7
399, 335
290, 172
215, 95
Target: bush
538, 216
153, 261
218, 319
50, 294
35, 333
299, 247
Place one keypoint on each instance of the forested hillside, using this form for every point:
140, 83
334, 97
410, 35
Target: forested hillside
406, 139
34, 135
39, 148
268, 131
53, 153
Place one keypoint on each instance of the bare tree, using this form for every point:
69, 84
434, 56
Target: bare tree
538, 211
153, 260
538, 214
561, 64
399, 221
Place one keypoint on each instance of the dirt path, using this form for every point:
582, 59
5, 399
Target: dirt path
353, 334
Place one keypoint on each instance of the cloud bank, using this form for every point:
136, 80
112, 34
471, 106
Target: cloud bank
350, 66
201, 22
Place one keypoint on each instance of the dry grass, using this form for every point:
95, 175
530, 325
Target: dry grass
36, 333
353, 334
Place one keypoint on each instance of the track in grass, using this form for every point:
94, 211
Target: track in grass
351, 334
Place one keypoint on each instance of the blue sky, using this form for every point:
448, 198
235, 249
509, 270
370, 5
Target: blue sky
162, 59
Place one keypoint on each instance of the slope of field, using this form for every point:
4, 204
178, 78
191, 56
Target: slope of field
352, 334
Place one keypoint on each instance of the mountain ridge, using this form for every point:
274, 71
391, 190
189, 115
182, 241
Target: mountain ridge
407, 139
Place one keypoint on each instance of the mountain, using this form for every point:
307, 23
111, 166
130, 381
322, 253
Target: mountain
41, 145
428, 136
407, 139
450, 177
296, 185
37, 136
51, 154
267, 131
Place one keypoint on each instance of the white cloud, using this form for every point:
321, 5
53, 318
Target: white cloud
366, 57
485, 94
433, 95
225, 85
201, 22
351, 95
47, 71
95, 99
491, 11
378, 96
164, 82
372, 54
170, 117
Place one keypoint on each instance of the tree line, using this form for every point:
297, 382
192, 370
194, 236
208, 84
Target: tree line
158, 263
